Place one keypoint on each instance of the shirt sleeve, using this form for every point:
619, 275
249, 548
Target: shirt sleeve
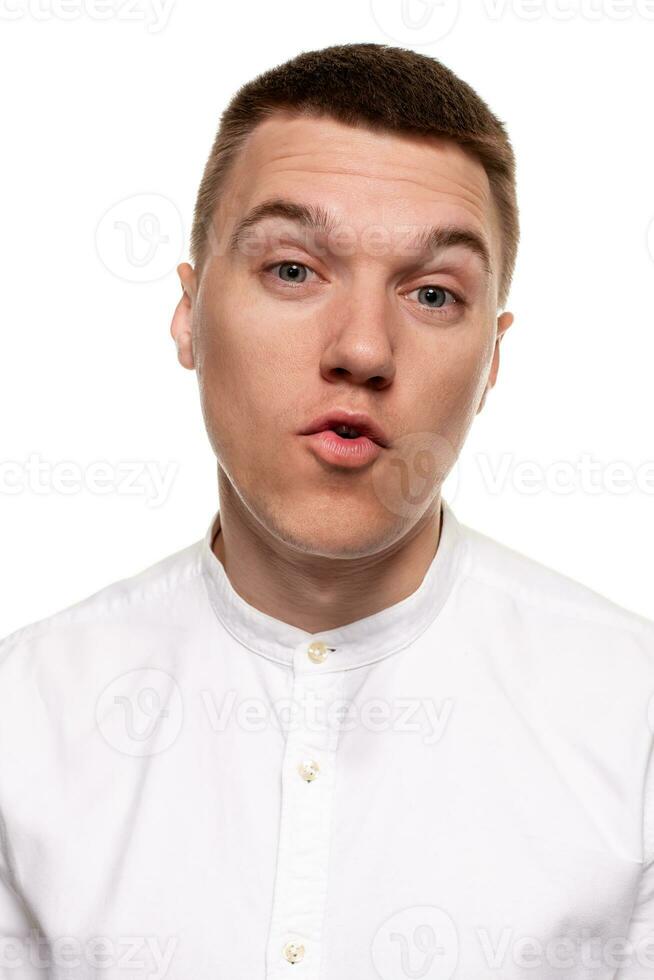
639, 951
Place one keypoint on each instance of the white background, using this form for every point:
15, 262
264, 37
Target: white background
106, 101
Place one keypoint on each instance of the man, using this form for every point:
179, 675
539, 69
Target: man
343, 736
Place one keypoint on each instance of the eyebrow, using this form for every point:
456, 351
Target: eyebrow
317, 219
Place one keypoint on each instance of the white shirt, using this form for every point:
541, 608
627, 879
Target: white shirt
456, 786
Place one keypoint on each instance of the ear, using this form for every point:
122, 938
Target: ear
181, 328
503, 323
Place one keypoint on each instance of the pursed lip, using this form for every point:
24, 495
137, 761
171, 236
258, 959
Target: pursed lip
364, 425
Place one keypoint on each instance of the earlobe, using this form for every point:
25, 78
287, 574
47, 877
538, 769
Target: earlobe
180, 330
181, 327
503, 323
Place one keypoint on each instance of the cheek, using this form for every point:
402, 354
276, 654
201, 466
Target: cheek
450, 382
247, 339
244, 377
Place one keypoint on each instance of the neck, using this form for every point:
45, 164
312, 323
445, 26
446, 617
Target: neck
313, 592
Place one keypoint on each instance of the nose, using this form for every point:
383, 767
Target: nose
358, 341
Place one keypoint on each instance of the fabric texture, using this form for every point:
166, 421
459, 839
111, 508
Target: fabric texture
458, 786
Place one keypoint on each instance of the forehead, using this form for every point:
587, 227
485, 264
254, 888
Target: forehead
362, 176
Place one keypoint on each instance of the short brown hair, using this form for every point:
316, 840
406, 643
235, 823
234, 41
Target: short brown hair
385, 89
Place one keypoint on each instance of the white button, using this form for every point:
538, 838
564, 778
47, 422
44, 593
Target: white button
293, 952
318, 651
309, 769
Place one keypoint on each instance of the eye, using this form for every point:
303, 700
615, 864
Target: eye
435, 297
296, 272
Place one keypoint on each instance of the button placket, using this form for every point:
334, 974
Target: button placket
305, 824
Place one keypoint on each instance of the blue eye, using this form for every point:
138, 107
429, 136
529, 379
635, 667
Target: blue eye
435, 296
432, 298
296, 271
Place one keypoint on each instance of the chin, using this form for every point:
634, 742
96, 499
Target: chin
337, 531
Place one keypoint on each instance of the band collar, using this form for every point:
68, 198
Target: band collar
353, 645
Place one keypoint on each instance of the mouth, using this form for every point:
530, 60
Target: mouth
345, 439
349, 426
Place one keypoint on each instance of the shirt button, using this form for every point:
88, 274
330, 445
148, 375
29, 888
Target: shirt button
309, 769
318, 652
293, 952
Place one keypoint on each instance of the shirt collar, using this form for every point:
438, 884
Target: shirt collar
355, 644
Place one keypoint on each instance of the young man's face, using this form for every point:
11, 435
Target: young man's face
294, 323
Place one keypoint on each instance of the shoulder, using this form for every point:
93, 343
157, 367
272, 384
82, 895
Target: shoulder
530, 583
575, 666
65, 679
152, 597
562, 621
